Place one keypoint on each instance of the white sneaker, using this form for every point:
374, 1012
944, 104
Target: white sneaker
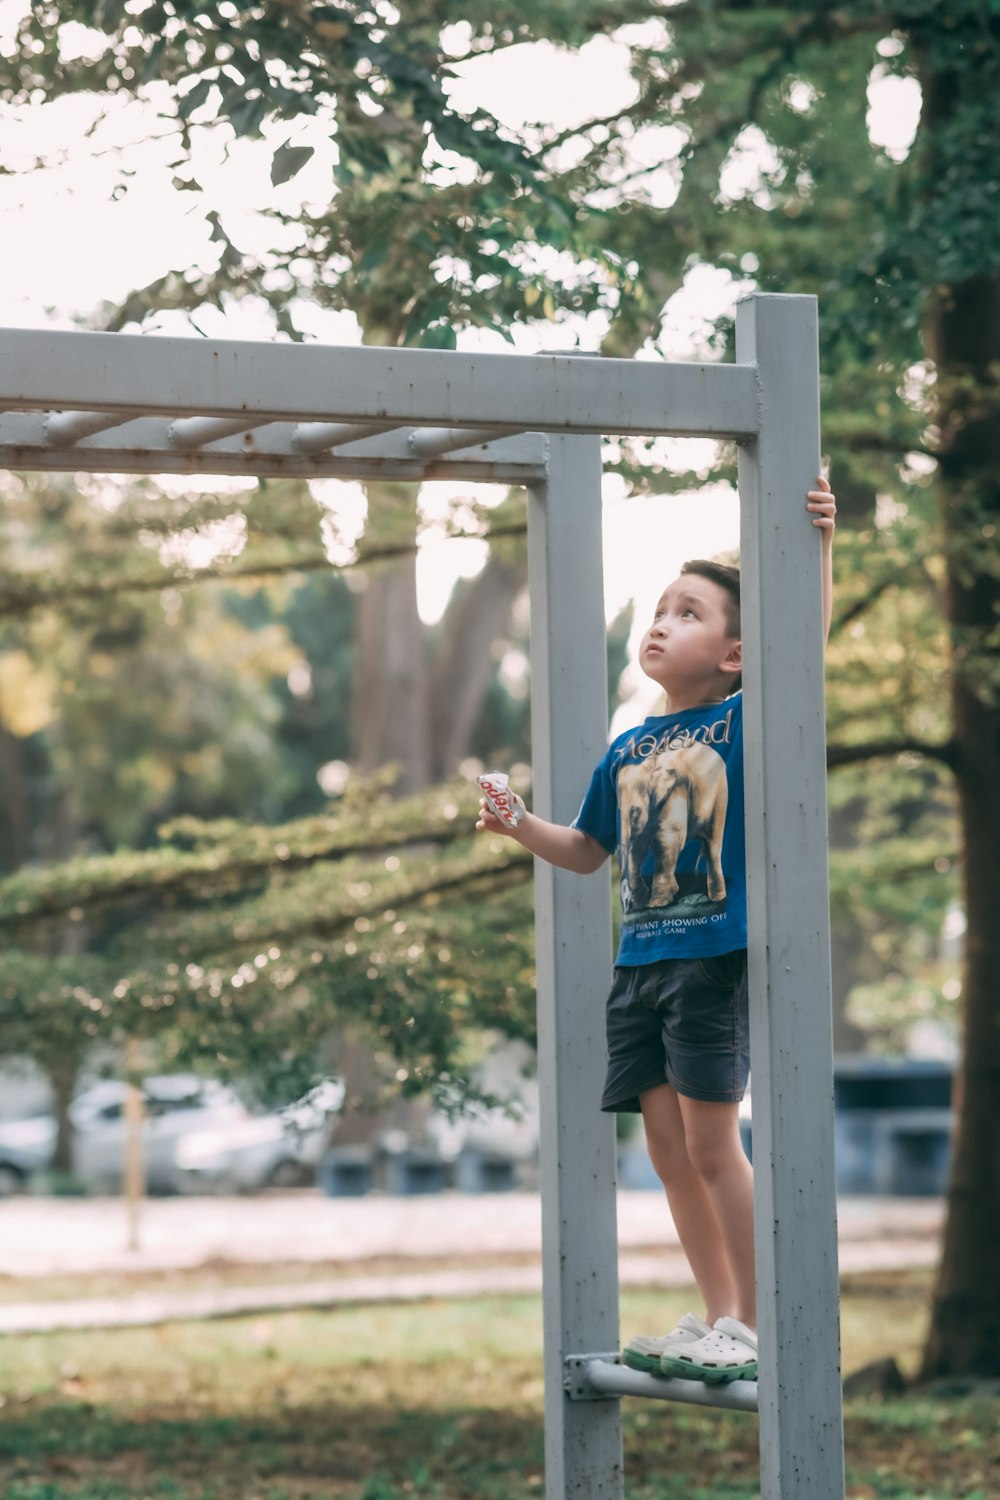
642, 1353
728, 1352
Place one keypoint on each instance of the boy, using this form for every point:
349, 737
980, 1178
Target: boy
669, 797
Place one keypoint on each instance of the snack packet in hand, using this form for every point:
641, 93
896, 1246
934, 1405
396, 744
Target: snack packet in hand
505, 804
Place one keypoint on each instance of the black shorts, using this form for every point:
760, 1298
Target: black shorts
681, 1021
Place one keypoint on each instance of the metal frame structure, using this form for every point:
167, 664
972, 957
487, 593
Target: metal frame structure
123, 403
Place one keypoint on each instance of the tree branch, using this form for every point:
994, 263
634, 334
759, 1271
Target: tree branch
19, 596
848, 755
100, 881
849, 614
474, 885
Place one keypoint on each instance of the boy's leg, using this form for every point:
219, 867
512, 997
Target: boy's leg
715, 1151
692, 1206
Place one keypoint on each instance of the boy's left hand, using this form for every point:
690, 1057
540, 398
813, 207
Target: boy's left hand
823, 504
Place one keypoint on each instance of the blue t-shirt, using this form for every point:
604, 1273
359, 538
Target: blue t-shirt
668, 797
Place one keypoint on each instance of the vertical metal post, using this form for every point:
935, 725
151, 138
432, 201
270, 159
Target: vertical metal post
799, 1387
583, 1452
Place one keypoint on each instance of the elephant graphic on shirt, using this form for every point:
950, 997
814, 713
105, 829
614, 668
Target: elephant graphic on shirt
663, 803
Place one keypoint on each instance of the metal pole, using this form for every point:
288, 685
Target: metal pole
64, 427
428, 442
590, 1376
799, 1386
583, 1454
195, 432
317, 437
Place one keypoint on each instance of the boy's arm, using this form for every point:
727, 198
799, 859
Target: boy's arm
823, 504
569, 848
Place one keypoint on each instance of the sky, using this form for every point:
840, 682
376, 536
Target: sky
70, 242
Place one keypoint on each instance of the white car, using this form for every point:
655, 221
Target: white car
261, 1151
173, 1105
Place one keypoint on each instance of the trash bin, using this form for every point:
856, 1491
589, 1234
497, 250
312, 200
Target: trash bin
913, 1153
346, 1172
893, 1125
412, 1171
478, 1173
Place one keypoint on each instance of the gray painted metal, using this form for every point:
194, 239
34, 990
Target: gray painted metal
143, 446
422, 387
595, 1377
64, 427
316, 437
427, 442
801, 1425
569, 722
195, 432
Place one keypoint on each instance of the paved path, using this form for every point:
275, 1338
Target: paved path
499, 1233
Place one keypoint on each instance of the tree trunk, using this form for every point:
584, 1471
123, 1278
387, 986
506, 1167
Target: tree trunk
466, 662
964, 1336
398, 717
62, 1073
15, 834
389, 712
848, 939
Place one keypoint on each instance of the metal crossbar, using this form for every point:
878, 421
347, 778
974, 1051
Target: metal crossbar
137, 374
596, 1377
182, 406
178, 406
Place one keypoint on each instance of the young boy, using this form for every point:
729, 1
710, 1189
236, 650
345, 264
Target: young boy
669, 797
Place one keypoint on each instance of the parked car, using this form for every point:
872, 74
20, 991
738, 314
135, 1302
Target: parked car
174, 1104
262, 1151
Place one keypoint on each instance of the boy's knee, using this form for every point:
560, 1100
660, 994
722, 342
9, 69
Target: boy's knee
669, 1157
713, 1159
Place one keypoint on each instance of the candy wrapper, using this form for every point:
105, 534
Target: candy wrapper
504, 803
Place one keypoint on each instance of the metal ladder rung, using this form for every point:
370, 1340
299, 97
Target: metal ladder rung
596, 1377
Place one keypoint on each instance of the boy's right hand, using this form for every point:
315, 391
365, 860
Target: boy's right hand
500, 801
568, 848
488, 822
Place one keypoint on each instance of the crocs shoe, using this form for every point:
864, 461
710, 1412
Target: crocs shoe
644, 1354
728, 1353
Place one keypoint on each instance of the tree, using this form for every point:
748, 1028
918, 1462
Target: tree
115, 715
409, 169
240, 946
123, 614
957, 58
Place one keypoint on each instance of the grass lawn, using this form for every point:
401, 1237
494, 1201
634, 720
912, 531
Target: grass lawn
435, 1401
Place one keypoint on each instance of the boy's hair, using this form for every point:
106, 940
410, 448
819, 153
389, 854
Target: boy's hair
728, 579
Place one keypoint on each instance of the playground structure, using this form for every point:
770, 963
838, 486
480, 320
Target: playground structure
140, 404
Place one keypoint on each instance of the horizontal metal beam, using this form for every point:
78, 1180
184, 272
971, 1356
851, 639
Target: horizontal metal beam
147, 375
144, 447
592, 1377
264, 466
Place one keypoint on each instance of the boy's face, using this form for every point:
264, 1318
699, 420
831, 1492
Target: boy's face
688, 650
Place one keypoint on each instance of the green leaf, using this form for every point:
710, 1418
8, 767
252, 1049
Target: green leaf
189, 102
246, 119
287, 161
440, 336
